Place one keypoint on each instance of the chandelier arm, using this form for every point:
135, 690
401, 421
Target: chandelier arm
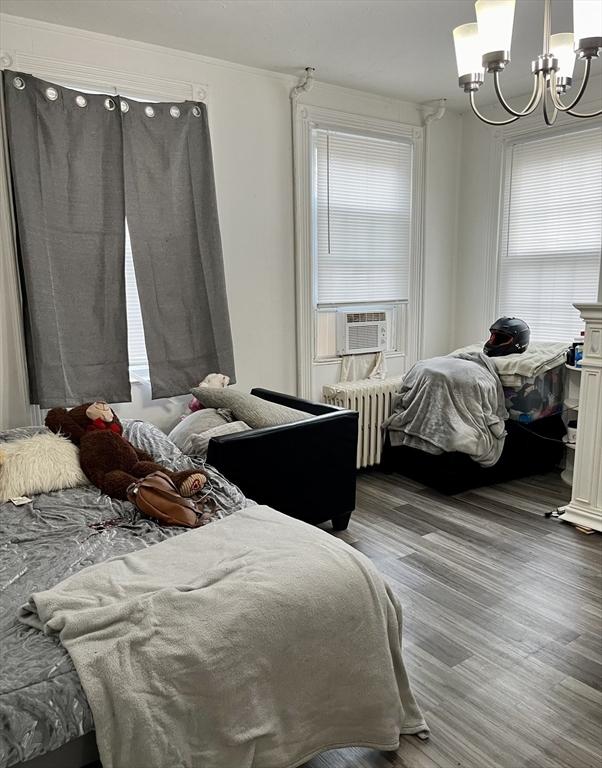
531, 104
486, 120
586, 114
556, 99
550, 120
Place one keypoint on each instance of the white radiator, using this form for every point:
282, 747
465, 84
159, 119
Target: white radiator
372, 399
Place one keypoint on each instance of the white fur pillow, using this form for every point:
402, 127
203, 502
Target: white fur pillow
38, 464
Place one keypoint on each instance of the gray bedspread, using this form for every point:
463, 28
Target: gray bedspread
450, 404
42, 703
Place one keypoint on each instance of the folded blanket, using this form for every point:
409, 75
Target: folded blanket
254, 642
537, 359
450, 404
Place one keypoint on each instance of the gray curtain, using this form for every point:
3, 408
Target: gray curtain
80, 164
15, 410
67, 171
172, 218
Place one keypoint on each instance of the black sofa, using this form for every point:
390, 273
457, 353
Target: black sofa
305, 469
529, 449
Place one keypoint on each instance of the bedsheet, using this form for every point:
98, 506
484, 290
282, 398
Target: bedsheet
42, 703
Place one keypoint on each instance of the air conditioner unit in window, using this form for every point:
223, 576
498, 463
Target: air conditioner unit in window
361, 332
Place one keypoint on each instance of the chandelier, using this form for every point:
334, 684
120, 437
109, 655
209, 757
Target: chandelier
486, 46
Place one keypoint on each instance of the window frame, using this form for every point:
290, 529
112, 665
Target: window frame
306, 118
500, 154
511, 140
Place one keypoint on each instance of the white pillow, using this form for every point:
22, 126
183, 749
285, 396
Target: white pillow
200, 443
38, 464
198, 422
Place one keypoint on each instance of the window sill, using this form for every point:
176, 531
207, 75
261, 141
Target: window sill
335, 359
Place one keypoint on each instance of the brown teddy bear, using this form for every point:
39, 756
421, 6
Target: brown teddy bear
107, 459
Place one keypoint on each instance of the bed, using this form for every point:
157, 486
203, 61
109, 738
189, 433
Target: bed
530, 399
42, 705
229, 602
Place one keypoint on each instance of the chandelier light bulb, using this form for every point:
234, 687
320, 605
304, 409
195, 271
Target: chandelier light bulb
468, 51
562, 47
587, 20
495, 19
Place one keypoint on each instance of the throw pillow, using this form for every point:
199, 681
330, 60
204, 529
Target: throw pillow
198, 422
199, 444
254, 411
39, 464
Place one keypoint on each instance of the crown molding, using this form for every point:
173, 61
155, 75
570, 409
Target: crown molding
162, 50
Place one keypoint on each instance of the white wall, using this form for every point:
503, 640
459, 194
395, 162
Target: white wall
443, 154
479, 185
249, 113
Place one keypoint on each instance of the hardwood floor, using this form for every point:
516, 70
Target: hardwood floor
503, 624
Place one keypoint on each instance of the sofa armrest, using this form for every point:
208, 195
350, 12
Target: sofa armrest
295, 402
305, 469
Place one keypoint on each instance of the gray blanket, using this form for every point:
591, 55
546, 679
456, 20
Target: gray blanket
450, 404
257, 641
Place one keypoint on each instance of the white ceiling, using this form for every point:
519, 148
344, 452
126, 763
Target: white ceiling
398, 48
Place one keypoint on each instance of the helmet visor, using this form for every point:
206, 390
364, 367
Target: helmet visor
499, 339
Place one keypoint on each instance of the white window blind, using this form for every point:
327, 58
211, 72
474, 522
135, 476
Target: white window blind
136, 344
362, 212
552, 232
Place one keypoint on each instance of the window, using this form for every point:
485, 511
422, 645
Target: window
136, 344
362, 199
551, 237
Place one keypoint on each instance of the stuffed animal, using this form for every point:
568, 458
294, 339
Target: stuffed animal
107, 459
216, 380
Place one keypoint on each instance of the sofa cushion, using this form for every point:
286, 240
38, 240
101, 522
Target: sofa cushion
198, 422
199, 443
254, 411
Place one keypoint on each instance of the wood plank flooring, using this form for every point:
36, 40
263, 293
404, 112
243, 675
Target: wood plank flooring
503, 623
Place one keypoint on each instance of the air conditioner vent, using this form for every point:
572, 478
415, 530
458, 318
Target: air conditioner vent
361, 332
366, 317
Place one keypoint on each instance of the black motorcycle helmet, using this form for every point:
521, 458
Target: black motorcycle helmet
509, 336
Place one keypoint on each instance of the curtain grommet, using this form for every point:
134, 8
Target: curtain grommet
124, 106
196, 111
174, 111
52, 94
149, 111
81, 101
109, 104
19, 83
